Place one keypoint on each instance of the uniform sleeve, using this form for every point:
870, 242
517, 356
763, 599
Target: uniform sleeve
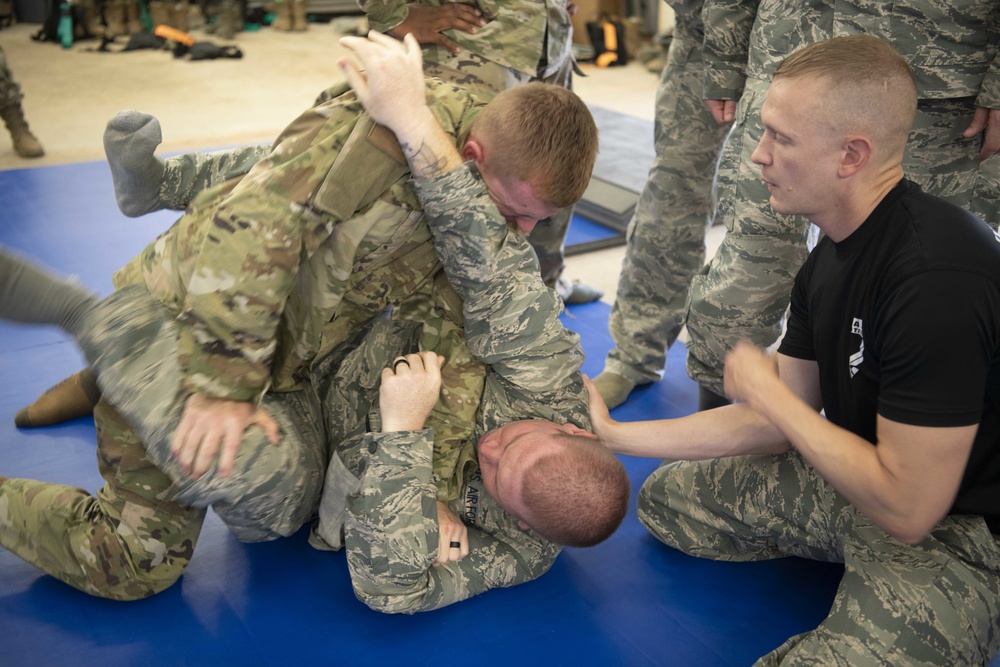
989, 92
728, 24
392, 534
511, 318
243, 273
384, 15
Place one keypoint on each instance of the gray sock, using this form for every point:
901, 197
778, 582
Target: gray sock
130, 142
32, 295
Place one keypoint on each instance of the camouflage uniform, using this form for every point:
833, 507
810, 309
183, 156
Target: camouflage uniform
10, 92
925, 604
666, 237
743, 292
379, 491
522, 41
235, 301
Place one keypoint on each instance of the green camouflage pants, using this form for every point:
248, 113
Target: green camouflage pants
666, 237
932, 603
137, 536
743, 292
10, 92
129, 542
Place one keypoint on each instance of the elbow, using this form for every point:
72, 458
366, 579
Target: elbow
911, 529
909, 537
909, 534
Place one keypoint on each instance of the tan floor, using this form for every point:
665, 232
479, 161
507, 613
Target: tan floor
70, 95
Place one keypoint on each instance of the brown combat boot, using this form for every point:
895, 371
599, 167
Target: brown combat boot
74, 397
133, 17
179, 15
25, 143
300, 21
159, 12
230, 19
114, 18
92, 19
282, 15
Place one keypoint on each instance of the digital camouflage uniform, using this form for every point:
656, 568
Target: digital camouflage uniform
923, 604
389, 523
522, 41
10, 92
666, 237
950, 46
318, 254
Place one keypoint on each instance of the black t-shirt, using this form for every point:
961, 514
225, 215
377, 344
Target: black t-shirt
903, 318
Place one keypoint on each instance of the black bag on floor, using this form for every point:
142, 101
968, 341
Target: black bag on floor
608, 39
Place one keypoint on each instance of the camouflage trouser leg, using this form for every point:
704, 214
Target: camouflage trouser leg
666, 237
128, 543
743, 292
186, 175
933, 603
10, 92
131, 340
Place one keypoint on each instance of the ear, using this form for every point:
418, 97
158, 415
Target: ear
857, 153
573, 429
473, 151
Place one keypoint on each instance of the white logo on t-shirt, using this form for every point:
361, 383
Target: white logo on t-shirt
859, 356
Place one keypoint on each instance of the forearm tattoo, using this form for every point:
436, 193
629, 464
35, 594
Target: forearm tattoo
424, 161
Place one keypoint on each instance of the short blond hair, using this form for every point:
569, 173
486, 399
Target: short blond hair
543, 134
578, 494
870, 87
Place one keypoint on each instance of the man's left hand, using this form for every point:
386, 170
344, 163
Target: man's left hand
451, 531
987, 120
410, 390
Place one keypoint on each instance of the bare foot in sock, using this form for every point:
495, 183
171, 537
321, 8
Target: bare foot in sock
130, 142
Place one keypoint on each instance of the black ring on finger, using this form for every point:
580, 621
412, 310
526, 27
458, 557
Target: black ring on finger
455, 545
401, 360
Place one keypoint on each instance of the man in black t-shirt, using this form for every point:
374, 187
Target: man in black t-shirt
894, 332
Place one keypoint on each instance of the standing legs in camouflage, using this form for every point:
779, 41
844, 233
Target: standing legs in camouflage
25, 143
897, 604
666, 237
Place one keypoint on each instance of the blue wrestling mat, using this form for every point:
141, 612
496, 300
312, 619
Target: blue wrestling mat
628, 601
